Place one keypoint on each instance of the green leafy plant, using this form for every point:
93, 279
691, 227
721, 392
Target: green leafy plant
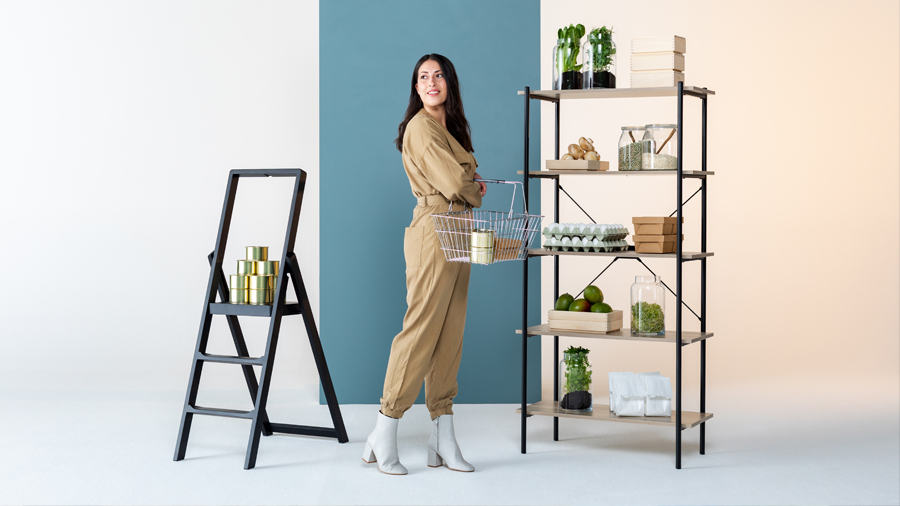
569, 47
647, 318
601, 42
578, 377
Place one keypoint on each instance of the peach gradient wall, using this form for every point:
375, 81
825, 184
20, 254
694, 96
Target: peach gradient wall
803, 209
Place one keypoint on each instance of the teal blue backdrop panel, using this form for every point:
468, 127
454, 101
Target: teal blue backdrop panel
367, 52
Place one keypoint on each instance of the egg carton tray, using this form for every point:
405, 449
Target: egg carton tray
567, 243
586, 231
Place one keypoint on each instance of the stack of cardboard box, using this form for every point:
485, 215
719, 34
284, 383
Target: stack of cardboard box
657, 61
654, 234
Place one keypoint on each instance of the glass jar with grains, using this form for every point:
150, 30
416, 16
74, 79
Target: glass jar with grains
630, 148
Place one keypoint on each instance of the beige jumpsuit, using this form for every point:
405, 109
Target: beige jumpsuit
429, 347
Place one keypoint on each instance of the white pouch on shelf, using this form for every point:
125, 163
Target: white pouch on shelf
658, 401
630, 393
612, 389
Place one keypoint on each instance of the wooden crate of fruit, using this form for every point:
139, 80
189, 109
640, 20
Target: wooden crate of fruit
582, 321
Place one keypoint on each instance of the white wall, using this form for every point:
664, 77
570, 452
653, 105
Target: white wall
803, 209
119, 124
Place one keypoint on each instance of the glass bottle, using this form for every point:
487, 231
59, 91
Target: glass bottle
575, 381
648, 306
660, 151
599, 60
631, 148
566, 58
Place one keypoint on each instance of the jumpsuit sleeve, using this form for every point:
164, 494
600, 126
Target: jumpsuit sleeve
445, 173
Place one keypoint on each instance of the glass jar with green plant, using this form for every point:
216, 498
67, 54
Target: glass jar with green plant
600, 59
575, 380
566, 69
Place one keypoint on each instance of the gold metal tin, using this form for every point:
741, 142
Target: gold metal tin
267, 268
246, 267
239, 281
239, 296
257, 253
260, 297
482, 256
482, 238
261, 282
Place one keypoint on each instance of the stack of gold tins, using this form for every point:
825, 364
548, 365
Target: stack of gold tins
254, 282
481, 246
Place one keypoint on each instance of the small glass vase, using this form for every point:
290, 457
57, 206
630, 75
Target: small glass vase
648, 307
599, 61
575, 381
566, 66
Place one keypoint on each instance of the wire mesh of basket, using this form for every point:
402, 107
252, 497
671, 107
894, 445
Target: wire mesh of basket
486, 237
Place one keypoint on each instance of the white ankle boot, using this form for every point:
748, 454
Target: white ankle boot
381, 446
442, 447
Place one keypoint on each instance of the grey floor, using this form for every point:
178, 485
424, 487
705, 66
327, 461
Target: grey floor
766, 445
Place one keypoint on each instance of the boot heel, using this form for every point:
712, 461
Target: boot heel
434, 460
368, 455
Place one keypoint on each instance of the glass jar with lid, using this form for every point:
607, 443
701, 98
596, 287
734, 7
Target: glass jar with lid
575, 380
599, 59
648, 307
631, 148
566, 64
660, 151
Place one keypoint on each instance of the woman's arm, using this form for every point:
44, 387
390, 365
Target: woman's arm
443, 171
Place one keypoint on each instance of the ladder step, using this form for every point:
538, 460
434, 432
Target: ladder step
228, 359
231, 413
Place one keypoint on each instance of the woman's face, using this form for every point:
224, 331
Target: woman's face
431, 85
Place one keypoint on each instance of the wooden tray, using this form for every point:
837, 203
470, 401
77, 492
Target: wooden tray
600, 323
578, 165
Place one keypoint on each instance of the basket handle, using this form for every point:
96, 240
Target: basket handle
513, 203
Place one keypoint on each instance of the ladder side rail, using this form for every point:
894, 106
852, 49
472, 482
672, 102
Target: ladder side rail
265, 374
318, 352
184, 429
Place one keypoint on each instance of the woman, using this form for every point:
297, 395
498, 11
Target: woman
434, 139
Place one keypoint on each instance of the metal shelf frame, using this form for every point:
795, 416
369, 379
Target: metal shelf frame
680, 256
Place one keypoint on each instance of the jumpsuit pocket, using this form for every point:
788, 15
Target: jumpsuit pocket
412, 246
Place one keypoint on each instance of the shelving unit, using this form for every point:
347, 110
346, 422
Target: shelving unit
680, 419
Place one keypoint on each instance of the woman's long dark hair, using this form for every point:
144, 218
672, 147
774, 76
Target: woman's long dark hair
456, 116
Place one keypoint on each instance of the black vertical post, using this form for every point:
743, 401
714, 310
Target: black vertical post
215, 268
703, 185
678, 288
525, 282
556, 276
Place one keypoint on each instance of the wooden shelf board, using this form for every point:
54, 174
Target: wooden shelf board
601, 412
619, 335
686, 255
684, 173
669, 91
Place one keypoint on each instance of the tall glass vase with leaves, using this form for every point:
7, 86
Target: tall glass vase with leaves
566, 69
600, 59
575, 380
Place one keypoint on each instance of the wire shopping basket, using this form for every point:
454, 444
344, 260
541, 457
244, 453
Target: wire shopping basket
486, 237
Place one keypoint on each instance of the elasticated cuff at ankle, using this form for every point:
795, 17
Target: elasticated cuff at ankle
391, 413
442, 411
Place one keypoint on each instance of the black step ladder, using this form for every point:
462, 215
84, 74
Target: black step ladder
260, 424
